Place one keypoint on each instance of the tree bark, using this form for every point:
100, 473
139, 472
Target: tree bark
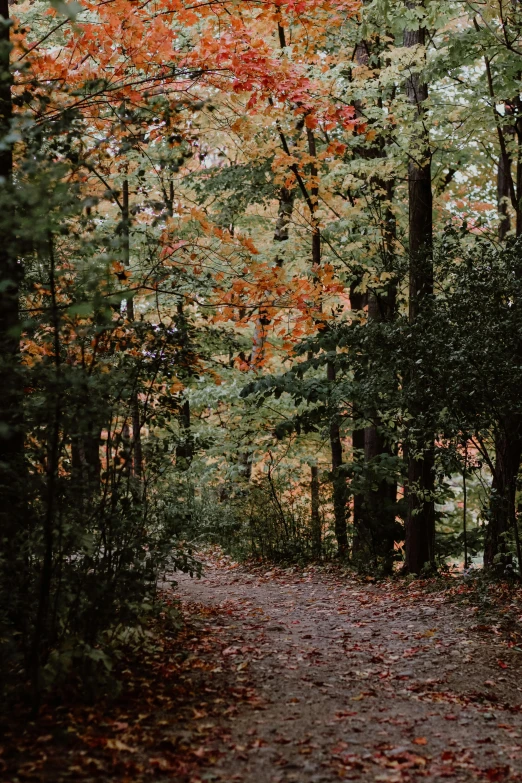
374, 515
137, 450
340, 492
420, 518
315, 512
281, 233
185, 448
508, 453
360, 533
12, 486
508, 439
503, 177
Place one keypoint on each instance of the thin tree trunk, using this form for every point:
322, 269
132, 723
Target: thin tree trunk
361, 539
281, 233
137, 451
340, 493
420, 519
360, 533
185, 449
284, 215
374, 513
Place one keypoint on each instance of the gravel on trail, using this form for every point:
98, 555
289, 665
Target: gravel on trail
357, 681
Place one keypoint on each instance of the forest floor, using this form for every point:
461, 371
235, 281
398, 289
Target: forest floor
281, 675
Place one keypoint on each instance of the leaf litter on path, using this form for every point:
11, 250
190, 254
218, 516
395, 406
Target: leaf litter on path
388, 681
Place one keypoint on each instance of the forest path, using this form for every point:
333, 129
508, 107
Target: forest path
370, 682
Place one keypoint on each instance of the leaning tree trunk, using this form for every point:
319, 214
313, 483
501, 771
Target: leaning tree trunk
420, 518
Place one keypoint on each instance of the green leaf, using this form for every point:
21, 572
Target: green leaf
70, 9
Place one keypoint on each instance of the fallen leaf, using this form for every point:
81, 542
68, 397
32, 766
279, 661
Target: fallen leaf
116, 744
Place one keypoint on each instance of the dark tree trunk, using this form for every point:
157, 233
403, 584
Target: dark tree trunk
381, 498
315, 512
361, 540
508, 440
420, 518
380, 501
340, 492
508, 453
503, 178
11, 399
284, 214
185, 449
86, 462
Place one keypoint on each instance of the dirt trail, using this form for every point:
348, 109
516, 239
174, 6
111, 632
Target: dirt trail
359, 682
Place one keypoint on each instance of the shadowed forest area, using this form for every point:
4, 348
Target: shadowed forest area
261, 390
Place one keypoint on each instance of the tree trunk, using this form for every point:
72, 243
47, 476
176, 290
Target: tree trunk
374, 513
284, 214
361, 541
420, 518
503, 178
185, 449
281, 233
137, 451
11, 420
508, 443
86, 462
380, 501
340, 492
360, 538
508, 453
381, 498
315, 512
